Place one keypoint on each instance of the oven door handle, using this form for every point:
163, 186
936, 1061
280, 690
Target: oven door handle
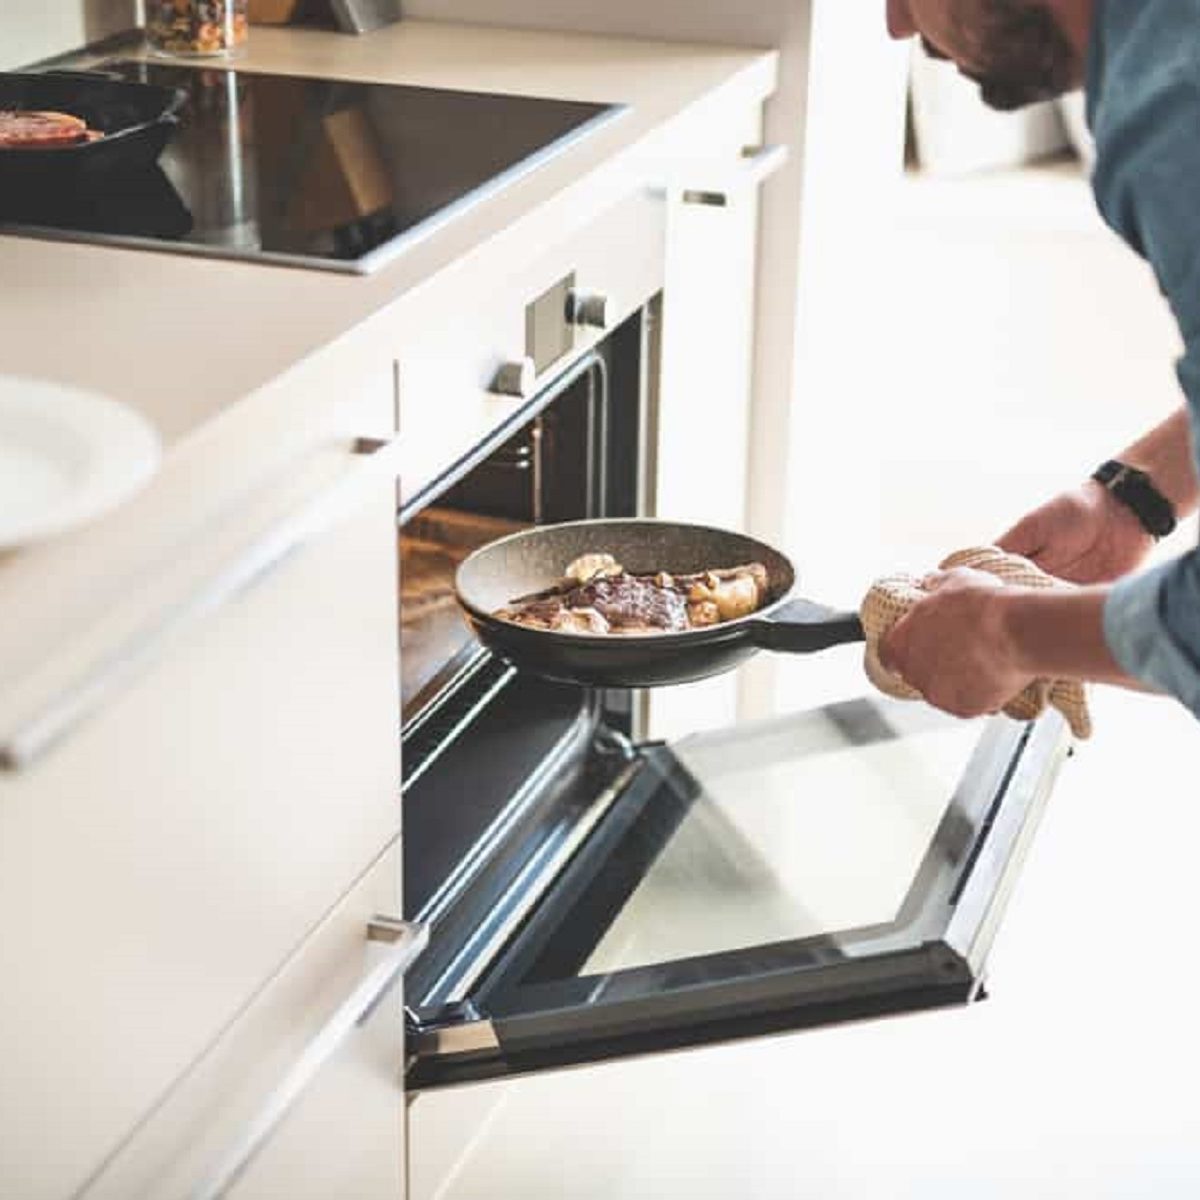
22, 746
407, 941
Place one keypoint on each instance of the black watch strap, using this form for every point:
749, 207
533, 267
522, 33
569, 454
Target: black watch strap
1137, 492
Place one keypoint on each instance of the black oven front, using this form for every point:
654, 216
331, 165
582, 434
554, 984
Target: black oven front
590, 894
491, 757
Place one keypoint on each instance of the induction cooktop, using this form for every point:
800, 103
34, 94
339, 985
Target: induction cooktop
331, 174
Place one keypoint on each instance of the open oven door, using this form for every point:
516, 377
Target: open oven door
848, 862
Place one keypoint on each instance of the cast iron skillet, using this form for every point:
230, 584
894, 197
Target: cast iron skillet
535, 559
137, 120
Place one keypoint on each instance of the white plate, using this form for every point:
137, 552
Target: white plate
66, 456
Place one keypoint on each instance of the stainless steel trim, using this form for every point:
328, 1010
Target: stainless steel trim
531, 885
411, 777
550, 391
390, 930
537, 447
449, 1040
43, 730
365, 16
407, 942
981, 905
761, 162
648, 416
517, 378
758, 164
598, 415
589, 309
705, 199
468, 867
374, 259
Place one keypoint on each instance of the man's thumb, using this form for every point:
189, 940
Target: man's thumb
1024, 538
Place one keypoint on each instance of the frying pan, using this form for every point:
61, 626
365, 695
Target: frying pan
137, 120
535, 559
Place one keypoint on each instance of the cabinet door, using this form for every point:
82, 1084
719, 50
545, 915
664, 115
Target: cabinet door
301, 1099
848, 862
162, 859
700, 470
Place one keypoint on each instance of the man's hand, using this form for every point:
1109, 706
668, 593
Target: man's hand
1085, 535
953, 646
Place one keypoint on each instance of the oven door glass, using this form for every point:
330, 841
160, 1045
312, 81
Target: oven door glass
848, 862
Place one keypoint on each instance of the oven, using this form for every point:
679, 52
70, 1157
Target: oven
591, 893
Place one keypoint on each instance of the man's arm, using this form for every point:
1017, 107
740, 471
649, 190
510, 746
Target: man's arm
1086, 535
974, 649
1060, 635
1165, 454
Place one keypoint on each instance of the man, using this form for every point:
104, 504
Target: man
972, 644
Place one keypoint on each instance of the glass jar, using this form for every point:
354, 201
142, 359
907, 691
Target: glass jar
202, 27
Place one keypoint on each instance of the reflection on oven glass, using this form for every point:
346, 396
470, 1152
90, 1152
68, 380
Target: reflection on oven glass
801, 830
434, 638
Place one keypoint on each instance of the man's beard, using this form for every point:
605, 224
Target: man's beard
1029, 57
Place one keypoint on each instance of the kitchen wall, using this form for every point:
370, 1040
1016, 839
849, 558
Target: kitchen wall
35, 29
759, 22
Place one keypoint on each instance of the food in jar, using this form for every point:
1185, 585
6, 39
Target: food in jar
196, 26
598, 596
36, 130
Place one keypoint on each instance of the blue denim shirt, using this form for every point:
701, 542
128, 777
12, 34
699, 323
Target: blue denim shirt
1143, 92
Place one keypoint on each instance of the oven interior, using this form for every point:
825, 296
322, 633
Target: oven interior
500, 768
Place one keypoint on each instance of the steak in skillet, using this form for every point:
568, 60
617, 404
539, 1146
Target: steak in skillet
21, 130
599, 597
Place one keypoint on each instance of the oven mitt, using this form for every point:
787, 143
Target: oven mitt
890, 598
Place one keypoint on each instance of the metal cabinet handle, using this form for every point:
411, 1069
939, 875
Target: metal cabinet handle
408, 940
758, 164
517, 378
22, 747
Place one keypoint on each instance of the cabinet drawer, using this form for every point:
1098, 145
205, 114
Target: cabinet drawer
447, 402
343, 1137
161, 861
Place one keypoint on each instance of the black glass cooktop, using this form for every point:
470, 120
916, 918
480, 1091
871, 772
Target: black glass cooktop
308, 172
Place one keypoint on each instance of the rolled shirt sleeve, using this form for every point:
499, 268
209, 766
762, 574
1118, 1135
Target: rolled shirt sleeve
1144, 106
1152, 626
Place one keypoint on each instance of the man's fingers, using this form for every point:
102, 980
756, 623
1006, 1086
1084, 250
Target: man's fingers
965, 576
891, 647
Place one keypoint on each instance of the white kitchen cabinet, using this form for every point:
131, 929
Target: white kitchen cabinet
708, 325
161, 860
449, 406
343, 1137
167, 870
700, 469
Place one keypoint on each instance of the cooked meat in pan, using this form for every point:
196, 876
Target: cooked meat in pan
598, 596
22, 130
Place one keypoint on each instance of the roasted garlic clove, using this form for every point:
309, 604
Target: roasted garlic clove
589, 566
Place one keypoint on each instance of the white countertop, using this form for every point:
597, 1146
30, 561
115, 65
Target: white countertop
235, 363
134, 324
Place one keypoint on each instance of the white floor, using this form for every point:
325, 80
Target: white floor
1001, 344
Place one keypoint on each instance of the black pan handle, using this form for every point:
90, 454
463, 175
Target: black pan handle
802, 627
88, 75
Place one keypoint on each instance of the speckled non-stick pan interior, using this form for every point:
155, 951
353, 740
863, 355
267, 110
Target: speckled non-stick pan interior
532, 561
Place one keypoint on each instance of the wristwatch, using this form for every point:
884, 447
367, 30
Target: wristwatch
1136, 490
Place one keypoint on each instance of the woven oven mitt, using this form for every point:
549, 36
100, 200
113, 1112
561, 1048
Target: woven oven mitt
891, 598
